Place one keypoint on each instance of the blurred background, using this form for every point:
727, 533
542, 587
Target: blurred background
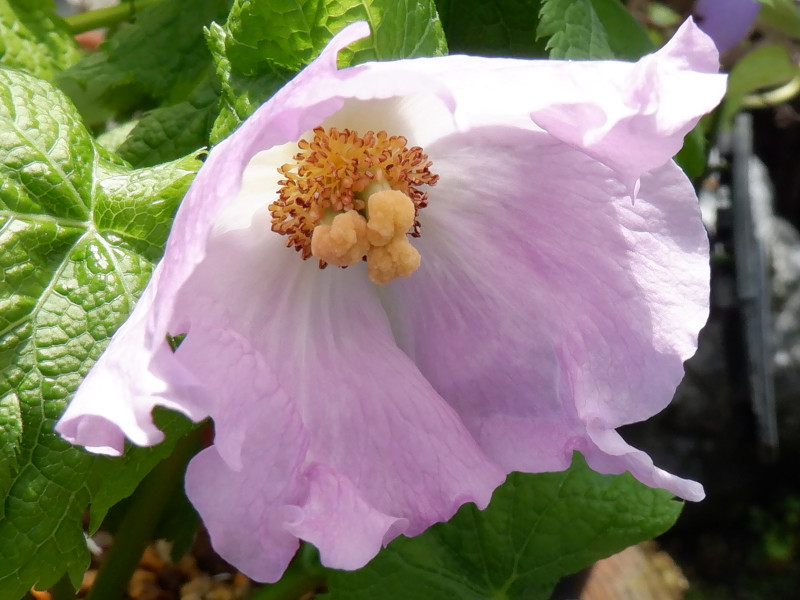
735, 422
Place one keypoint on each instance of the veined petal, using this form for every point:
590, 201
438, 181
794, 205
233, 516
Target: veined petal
630, 116
137, 370
609, 453
343, 526
557, 304
381, 441
246, 511
634, 120
117, 396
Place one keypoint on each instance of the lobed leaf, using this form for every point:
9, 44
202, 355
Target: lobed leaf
79, 234
492, 27
574, 30
766, 67
169, 132
291, 34
781, 15
34, 39
592, 29
264, 43
627, 37
160, 56
241, 94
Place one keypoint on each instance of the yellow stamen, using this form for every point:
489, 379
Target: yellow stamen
372, 183
396, 259
391, 213
343, 242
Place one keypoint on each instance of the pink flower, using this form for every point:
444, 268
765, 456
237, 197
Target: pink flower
547, 308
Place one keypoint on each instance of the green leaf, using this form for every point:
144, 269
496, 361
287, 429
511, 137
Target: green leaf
169, 132
662, 16
265, 42
504, 28
574, 29
79, 234
492, 27
177, 519
627, 38
112, 139
693, 155
765, 67
781, 15
161, 56
241, 94
179, 523
537, 529
34, 39
291, 34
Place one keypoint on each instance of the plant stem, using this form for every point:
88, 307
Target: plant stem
106, 17
62, 590
139, 523
786, 92
303, 575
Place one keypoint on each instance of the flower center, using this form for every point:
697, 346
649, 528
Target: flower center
348, 197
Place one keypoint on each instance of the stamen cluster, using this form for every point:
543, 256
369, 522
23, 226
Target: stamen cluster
332, 170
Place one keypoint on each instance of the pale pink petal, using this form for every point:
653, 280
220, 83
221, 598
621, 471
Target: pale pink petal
660, 99
245, 517
609, 453
385, 454
116, 398
346, 529
246, 508
137, 370
556, 303
246, 521
278, 491
381, 442
604, 108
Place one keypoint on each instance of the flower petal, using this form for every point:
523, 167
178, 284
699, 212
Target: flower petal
276, 493
604, 108
137, 370
347, 530
556, 304
246, 511
634, 120
381, 442
609, 453
117, 396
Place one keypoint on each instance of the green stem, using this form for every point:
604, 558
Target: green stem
304, 575
63, 590
106, 17
139, 523
774, 97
